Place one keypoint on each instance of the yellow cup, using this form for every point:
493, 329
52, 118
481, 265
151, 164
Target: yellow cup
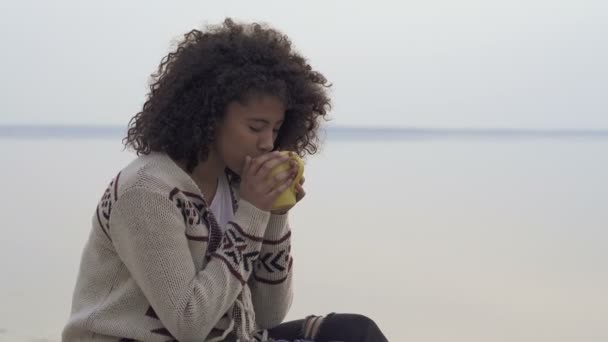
288, 198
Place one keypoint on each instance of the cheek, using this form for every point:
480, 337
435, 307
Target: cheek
234, 149
235, 160
237, 141
231, 156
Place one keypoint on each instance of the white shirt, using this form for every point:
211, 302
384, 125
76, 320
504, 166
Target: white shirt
221, 205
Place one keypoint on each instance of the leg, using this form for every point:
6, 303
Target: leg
333, 327
288, 331
349, 328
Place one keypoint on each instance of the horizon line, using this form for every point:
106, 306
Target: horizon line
342, 132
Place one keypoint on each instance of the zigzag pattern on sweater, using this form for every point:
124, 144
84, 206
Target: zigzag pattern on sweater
104, 207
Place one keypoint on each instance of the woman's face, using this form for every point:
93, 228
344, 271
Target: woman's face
248, 129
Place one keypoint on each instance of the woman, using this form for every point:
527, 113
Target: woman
185, 245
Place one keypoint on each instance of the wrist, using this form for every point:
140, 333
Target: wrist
277, 227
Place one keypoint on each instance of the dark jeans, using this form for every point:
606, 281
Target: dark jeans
333, 327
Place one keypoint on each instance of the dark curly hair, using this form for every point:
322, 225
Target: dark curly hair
209, 69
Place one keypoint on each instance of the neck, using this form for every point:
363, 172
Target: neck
207, 173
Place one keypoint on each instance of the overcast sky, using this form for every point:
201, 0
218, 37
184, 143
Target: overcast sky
431, 63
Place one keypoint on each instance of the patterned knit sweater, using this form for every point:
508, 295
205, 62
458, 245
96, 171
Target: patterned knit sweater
157, 267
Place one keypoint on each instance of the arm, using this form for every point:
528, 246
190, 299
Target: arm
271, 282
148, 232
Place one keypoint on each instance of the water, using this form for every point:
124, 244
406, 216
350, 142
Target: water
436, 240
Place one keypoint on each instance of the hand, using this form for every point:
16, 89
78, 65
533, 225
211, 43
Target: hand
257, 187
300, 193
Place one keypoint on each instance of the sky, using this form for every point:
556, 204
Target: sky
536, 64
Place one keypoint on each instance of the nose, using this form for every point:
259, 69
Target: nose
266, 142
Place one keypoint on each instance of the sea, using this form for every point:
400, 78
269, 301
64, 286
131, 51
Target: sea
437, 235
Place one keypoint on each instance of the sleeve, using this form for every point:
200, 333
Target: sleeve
271, 282
148, 232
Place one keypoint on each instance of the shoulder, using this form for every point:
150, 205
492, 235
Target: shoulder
154, 173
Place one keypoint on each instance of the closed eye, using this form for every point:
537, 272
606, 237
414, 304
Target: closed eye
255, 129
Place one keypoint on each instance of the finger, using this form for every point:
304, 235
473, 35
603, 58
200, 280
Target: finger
257, 162
302, 180
246, 166
284, 175
270, 164
300, 197
300, 192
279, 179
293, 165
279, 190
276, 180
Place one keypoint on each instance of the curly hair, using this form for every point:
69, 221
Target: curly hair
209, 69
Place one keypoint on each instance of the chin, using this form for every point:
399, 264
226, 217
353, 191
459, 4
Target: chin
236, 170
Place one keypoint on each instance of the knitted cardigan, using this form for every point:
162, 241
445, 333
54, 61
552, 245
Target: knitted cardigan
157, 267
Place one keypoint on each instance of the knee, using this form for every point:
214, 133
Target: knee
358, 320
364, 324
360, 327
